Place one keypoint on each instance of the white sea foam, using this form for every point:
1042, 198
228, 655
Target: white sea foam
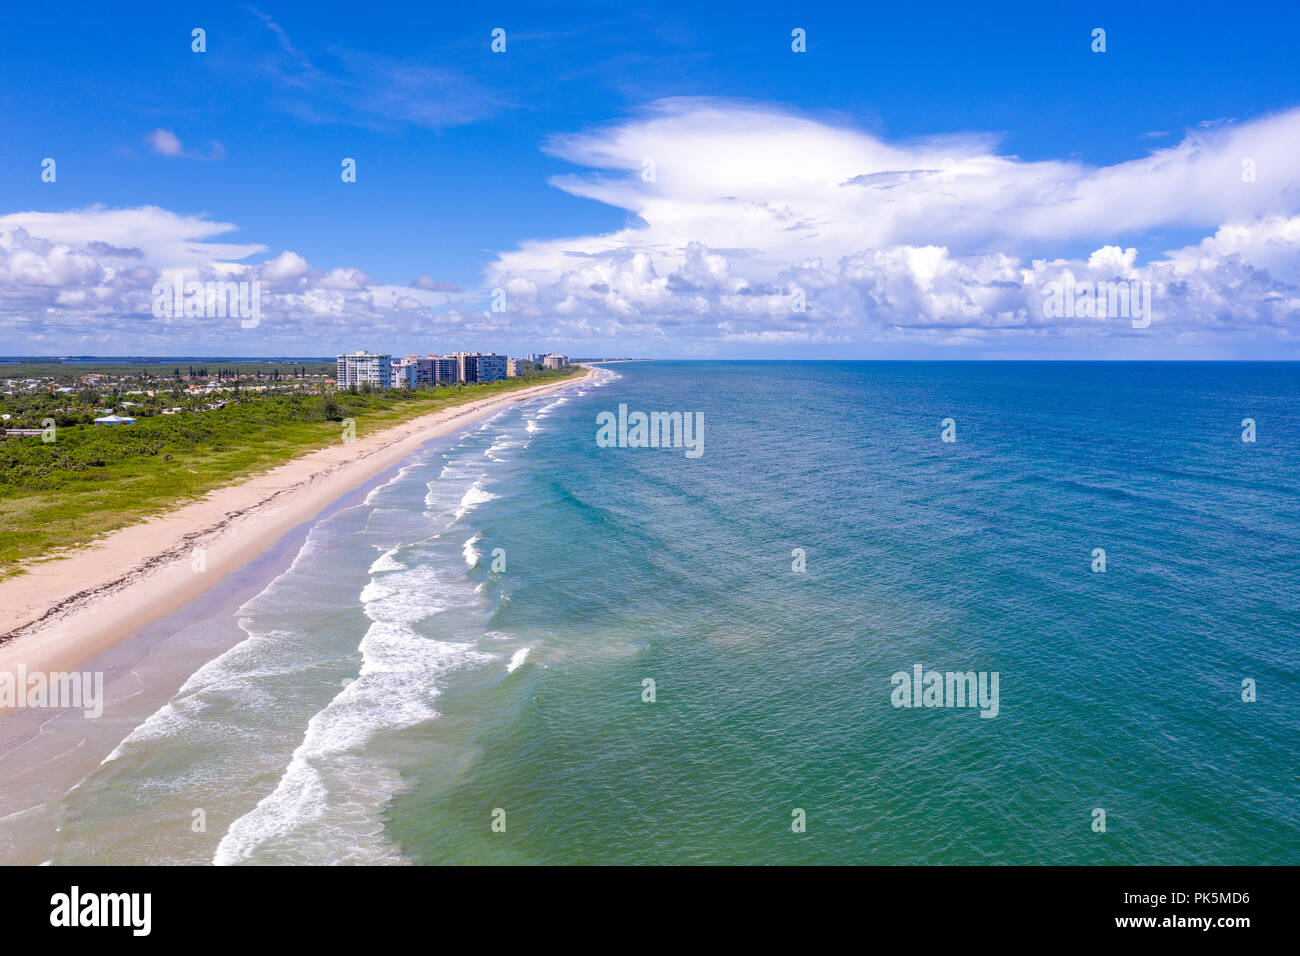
328, 805
474, 497
445, 494
330, 784
517, 659
386, 562
409, 595
471, 553
502, 443
373, 495
547, 409
238, 673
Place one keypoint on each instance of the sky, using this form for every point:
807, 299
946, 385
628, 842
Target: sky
670, 181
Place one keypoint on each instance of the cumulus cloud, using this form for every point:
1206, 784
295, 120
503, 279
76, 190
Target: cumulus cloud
287, 265
70, 279
172, 241
1272, 243
737, 209
751, 230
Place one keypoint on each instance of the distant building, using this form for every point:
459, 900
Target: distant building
406, 373
442, 370
556, 361
479, 366
114, 420
492, 367
359, 368
466, 366
512, 368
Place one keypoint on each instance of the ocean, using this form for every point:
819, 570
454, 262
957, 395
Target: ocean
524, 647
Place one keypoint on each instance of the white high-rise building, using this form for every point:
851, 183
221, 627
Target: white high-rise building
406, 373
556, 361
360, 368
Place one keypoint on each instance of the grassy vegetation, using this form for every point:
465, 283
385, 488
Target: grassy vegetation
95, 478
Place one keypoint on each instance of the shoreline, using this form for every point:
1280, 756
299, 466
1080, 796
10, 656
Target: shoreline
65, 611
45, 756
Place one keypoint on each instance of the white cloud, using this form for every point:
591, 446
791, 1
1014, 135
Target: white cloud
896, 248
172, 241
287, 265
84, 281
1272, 243
164, 142
929, 241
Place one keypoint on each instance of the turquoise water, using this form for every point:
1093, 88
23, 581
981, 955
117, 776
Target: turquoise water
394, 690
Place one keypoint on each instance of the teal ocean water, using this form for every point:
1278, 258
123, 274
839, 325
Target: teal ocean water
472, 641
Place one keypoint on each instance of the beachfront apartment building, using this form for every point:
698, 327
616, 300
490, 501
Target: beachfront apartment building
479, 366
492, 367
360, 368
425, 370
442, 370
406, 373
414, 371
549, 359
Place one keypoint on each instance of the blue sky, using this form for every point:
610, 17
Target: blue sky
458, 150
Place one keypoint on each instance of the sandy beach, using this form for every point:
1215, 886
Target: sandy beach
66, 611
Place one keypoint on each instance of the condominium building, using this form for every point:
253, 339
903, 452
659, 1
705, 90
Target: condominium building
479, 366
413, 371
512, 368
556, 361
406, 372
442, 370
360, 368
492, 367
466, 366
